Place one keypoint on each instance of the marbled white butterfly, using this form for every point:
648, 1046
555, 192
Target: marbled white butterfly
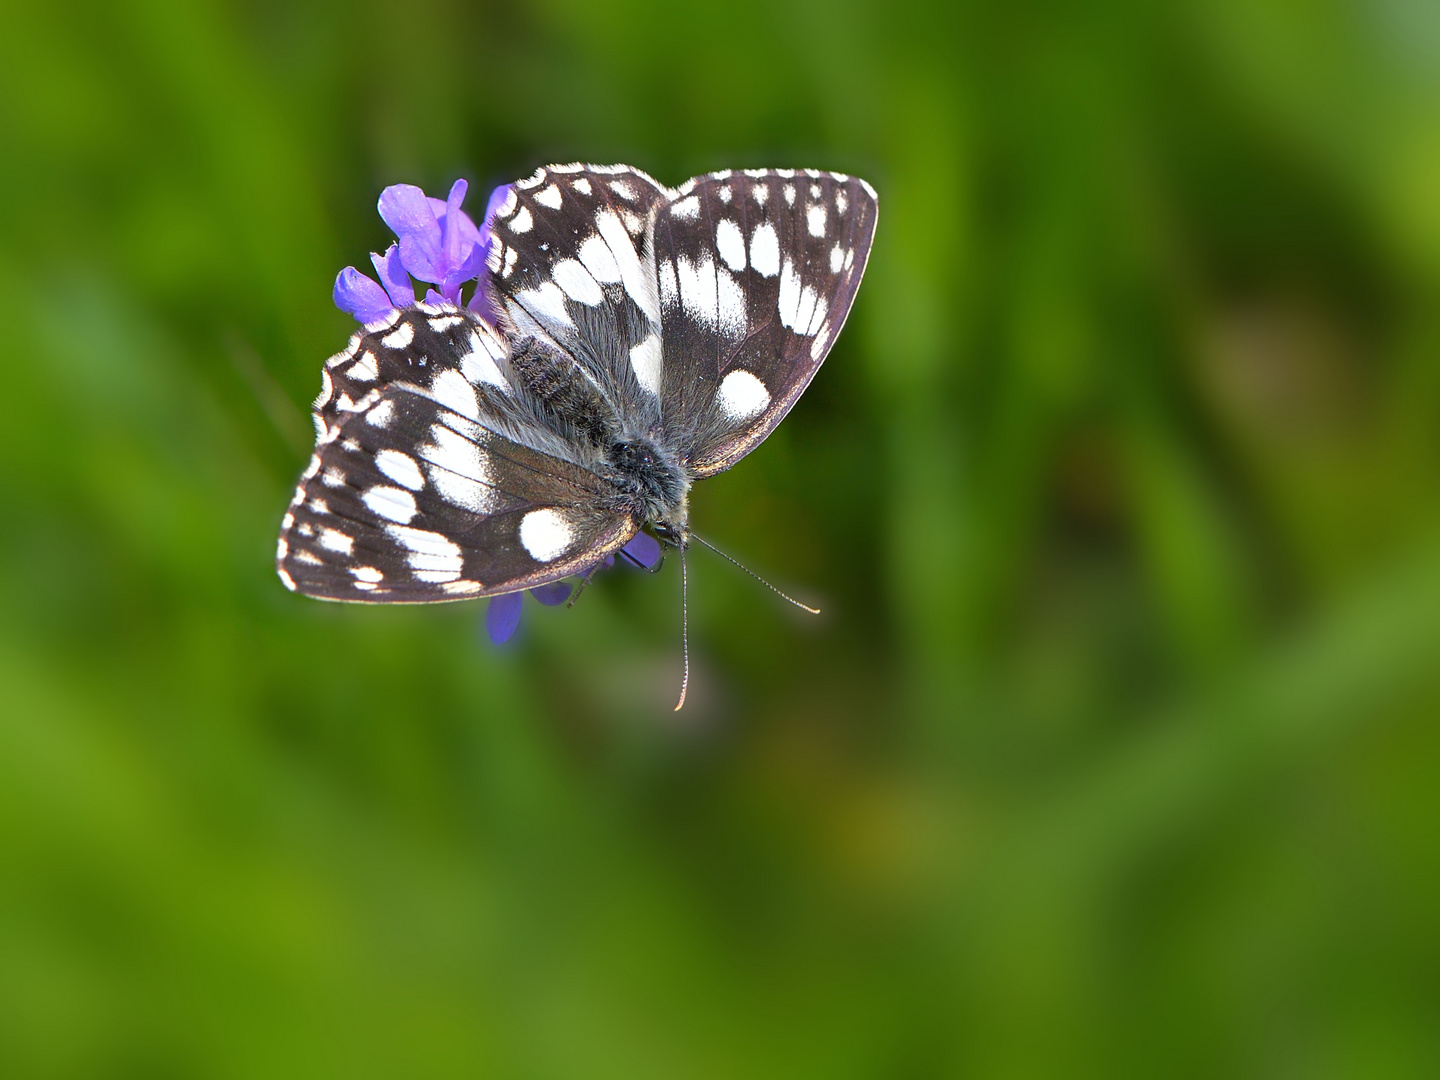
624, 340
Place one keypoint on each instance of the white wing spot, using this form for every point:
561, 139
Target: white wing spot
367, 573
462, 588
390, 503
731, 244
697, 289
478, 365
549, 197
723, 193
365, 369
632, 222
760, 193
577, 283
815, 219
686, 209
336, 541
814, 191
522, 222
459, 469
646, 360
840, 202
430, 553
731, 304
849, 258
309, 558
742, 396
441, 323
765, 250
381, 415
333, 478
451, 389
756, 174
789, 193
582, 185
403, 335
546, 534
624, 189
837, 258
785, 174
639, 278
401, 468
596, 256
319, 506
789, 300
531, 182
546, 302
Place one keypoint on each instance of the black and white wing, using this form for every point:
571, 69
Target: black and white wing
569, 264
757, 270
428, 483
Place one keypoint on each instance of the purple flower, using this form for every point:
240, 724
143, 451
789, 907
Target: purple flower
502, 615
438, 243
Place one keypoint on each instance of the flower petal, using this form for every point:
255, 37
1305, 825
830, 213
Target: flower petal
557, 592
360, 296
411, 216
644, 551
393, 276
502, 616
450, 238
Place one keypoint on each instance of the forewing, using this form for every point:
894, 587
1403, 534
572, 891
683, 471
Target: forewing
757, 270
568, 262
427, 483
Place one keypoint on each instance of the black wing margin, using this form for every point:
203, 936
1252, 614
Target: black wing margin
757, 270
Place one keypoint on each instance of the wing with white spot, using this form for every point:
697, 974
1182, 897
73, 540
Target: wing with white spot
429, 483
757, 270
568, 262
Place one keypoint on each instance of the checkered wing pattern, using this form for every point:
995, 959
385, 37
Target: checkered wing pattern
569, 264
757, 270
427, 483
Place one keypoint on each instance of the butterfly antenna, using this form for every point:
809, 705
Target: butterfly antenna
742, 566
684, 629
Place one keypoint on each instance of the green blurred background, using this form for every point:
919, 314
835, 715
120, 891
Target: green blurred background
1115, 751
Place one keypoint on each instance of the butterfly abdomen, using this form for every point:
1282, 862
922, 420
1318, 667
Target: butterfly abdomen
573, 402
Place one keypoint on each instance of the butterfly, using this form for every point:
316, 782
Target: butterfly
625, 340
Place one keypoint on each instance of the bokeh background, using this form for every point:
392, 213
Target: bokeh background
1116, 749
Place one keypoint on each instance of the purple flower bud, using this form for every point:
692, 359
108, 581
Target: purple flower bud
360, 296
393, 276
502, 616
557, 592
